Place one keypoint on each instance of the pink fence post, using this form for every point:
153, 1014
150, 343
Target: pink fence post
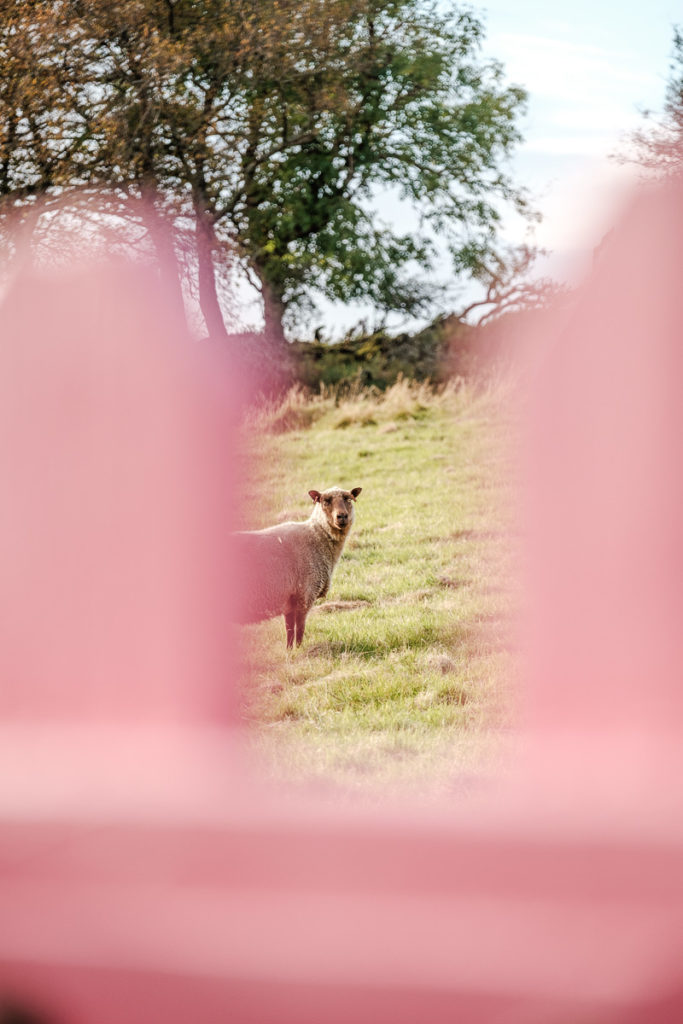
144, 876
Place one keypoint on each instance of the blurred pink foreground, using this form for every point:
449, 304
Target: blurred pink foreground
145, 876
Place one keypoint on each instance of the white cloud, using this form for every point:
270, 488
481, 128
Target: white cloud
582, 98
568, 70
572, 145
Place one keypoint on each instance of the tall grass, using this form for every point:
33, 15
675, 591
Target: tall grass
300, 407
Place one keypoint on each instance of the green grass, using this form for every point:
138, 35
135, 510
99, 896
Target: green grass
404, 673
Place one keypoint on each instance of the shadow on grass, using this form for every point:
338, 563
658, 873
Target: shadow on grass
368, 647
453, 694
335, 648
342, 606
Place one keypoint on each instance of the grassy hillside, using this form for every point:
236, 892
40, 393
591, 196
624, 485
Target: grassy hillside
404, 673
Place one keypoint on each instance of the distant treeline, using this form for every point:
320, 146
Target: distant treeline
447, 348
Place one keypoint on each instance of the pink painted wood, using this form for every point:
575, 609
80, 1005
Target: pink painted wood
146, 875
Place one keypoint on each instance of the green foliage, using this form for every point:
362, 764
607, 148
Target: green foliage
398, 97
271, 125
379, 359
447, 349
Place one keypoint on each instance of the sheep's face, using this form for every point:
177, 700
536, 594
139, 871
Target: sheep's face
336, 506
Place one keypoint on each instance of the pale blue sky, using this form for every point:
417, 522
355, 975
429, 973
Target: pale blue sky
590, 69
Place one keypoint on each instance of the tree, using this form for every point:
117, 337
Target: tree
159, 75
508, 287
659, 147
49, 112
271, 126
381, 94
37, 139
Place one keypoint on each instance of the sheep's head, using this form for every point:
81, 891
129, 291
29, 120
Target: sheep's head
336, 506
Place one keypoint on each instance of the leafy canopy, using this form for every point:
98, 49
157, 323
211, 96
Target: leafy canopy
381, 95
659, 148
274, 125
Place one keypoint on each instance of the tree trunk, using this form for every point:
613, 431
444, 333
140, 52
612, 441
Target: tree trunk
161, 233
24, 238
273, 312
208, 295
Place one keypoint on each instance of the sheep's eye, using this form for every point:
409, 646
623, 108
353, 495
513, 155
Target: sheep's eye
326, 501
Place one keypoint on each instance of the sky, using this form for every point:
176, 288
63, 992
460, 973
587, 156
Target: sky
591, 68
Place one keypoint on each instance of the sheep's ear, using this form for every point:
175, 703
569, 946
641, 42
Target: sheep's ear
315, 495
355, 492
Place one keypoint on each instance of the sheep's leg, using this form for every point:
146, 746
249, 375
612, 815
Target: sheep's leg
290, 617
300, 624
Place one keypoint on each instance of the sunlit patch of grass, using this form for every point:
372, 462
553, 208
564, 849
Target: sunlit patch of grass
404, 400
298, 409
406, 676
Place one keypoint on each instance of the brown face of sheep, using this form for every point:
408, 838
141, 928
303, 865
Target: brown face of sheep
337, 506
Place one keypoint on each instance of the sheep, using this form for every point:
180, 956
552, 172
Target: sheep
286, 568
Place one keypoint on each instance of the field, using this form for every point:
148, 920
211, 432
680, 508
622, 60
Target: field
405, 674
